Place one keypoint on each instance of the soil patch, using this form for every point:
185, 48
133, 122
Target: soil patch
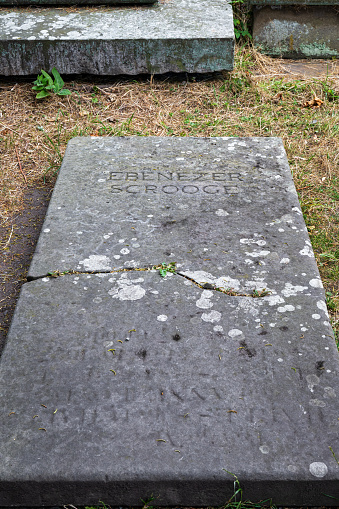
20, 236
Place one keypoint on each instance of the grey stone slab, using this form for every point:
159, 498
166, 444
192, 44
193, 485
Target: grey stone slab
42, 3
200, 383
224, 209
279, 3
294, 32
176, 35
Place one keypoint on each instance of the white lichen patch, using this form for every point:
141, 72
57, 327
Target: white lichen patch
204, 301
264, 449
287, 307
318, 469
291, 290
213, 316
259, 242
162, 318
274, 300
316, 283
329, 392
312, 381
307, 250
321, 305
285, 260
235, 333
317, 402
218, 328
124, 251
249, 305
127, 289
256, 254
96, 262
315, 316
221, 212
133, 292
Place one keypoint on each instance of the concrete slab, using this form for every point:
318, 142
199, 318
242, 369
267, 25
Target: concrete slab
297, 32
176, 35
224, 209
118, 386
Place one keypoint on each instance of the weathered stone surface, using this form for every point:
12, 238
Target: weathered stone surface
120, 385
75, 2
294, 32
205, 382
225, 210
176, 35
305, 3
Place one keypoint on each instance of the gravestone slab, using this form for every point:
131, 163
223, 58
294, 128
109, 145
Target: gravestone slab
41, 3
118, 383
194, 36
297, 32
224, 209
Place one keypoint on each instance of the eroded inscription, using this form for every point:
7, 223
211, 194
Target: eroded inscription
174, 182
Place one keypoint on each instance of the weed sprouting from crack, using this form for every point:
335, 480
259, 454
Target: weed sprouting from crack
237, 502
163, 269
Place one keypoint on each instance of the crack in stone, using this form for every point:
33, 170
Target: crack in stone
204, 286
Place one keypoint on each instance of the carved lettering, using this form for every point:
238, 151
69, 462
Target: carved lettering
236, 176
190, 189
130, 175
168, 176
170, 189
147, 176
180, 176
128, 189
174, 189
115, 175
211, 189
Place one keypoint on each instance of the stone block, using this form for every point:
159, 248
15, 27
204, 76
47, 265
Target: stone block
296, 31
42, 3
116, 387
194, 36
224, 208
119, 383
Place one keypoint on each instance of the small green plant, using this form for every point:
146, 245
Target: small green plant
45, 84
241, 15
164, 268
237, 502
147, 502
240, 30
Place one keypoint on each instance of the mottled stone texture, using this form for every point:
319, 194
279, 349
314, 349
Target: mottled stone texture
305, 3
175, 35
41, 3
135, 202
297, 32
120, 384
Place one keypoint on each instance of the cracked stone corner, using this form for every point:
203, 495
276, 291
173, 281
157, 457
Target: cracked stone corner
153, 268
